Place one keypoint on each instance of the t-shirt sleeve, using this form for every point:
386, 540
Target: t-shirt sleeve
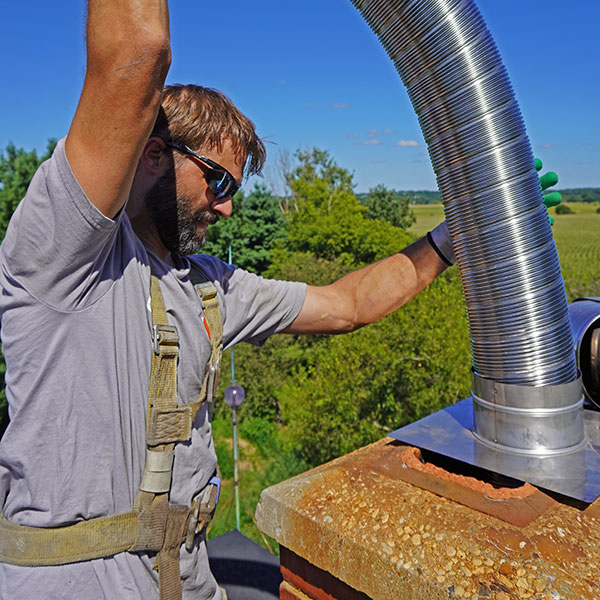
252, 307
58, 245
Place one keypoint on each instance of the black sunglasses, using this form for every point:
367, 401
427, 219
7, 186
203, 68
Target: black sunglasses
220, 181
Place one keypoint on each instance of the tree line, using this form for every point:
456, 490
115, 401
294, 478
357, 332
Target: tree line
581, 195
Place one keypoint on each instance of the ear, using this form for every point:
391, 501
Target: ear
154, 160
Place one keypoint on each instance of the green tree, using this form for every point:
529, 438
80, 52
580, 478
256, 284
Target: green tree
255, 225
319, 180
390, 206
329, 221
16, 170
17, 167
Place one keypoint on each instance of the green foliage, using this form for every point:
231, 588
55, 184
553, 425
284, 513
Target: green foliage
330, 221
16, 170
306, 267
414, 196
262, 372
256, 223
262, 463
262, 433
564, 209
319, 181
581, 195
353, 389
344, 234
390, 206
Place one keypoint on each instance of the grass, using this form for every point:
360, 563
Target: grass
262, 463
428, 216
251, 470
578, 243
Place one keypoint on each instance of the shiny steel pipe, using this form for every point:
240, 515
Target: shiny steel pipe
516, 302
533, 420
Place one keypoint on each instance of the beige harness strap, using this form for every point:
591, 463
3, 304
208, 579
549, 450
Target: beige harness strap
169, 423
159, 522
207, 294
169, 576
38, 546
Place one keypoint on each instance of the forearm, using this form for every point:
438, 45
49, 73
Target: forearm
128, 56
367, 295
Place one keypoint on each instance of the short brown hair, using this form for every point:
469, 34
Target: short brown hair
201, 117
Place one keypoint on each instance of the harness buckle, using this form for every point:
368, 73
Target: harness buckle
213, 371
202, 510
206, 293
163, 335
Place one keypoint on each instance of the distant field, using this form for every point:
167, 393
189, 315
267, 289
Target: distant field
577, 240
428, 216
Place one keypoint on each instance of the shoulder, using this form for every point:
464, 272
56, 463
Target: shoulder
252, 307
212, 269
54, 188
229, 279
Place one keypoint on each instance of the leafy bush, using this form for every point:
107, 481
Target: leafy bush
564, 209
330, 222
353, 389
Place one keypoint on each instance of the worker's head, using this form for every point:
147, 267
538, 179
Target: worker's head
206, 146
202, 119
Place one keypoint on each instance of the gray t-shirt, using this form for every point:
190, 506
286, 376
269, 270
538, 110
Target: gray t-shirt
76, 336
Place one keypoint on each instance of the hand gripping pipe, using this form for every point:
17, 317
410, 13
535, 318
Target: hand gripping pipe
526, 391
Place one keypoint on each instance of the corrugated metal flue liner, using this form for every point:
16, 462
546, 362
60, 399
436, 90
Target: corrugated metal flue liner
511, 277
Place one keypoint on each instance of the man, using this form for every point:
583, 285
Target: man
132, 190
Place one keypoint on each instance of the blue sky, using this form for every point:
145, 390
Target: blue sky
311, 73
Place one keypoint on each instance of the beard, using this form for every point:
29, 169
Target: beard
174, 218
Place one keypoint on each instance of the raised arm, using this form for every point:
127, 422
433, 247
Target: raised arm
128, 56
369, 294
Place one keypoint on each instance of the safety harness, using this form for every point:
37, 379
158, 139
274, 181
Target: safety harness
153, 525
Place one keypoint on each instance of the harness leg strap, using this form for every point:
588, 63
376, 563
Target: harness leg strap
169, 576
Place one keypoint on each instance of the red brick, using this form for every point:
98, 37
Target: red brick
314, 582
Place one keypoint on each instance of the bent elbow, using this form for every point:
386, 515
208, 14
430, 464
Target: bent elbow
130, 54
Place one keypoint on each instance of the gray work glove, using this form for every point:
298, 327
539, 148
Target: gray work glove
440, 240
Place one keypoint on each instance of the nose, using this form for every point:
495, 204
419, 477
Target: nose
223, 206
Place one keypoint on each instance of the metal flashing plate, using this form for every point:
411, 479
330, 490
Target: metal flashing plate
449, 432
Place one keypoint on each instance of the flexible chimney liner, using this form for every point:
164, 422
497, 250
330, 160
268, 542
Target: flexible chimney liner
526, 391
